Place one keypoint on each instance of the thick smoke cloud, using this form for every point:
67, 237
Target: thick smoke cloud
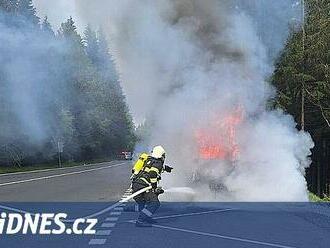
59, 93
28, 93
188, 65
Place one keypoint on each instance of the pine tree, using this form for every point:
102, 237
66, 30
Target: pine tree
122, 121
46, 27
75, 56
26, 9
103, 43
78, 98
105, 61
307, 63
8, 5
83, 82
303, 69
91, 44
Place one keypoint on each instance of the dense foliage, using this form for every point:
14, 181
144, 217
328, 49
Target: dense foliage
57, 89
302, 75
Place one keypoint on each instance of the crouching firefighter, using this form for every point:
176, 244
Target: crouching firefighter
149, 175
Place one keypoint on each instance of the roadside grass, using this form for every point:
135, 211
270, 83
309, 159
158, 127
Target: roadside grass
315, 198
13, 169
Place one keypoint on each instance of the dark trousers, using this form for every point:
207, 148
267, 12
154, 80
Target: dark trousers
148, 202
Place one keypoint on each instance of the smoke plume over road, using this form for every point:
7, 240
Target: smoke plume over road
197, 71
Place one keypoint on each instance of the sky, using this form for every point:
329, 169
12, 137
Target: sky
58, 11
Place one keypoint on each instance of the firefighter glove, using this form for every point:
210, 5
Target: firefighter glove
168, 168
159, 191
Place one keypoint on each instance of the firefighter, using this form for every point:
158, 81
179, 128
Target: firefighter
150, 175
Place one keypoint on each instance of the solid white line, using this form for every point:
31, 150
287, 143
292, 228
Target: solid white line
51, 169
97, 241
223, 237
193, 214
14, 209
59, 175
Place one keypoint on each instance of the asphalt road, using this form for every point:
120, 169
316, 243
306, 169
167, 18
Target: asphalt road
237, 225
93, 183
192, 225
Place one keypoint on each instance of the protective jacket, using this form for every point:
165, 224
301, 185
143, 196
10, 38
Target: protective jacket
150, 174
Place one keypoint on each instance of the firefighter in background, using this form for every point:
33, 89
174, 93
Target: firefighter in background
149, 175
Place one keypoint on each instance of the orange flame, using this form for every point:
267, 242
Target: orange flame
218, 141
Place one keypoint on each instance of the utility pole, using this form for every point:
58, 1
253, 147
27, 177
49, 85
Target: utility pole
303, 80
60, 150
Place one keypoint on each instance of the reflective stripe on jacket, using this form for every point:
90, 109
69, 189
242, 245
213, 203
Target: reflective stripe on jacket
151, 172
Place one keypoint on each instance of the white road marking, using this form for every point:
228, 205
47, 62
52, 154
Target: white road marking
193, 214
14, 209
110, 222
112, 219
108, 225
51, 169
115, 213
110, 208
105, 210
97, 241
118, 209
103, 233
59, 175
223, 237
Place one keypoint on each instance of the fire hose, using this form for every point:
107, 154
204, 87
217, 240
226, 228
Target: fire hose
118, 204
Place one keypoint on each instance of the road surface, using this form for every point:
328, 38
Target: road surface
94, 183
237, 225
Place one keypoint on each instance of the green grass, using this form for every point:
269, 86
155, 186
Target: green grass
315, 198
13, 169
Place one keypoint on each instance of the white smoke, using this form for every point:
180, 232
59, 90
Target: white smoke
186, 65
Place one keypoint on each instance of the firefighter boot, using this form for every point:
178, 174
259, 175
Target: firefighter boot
139, 223
151, 221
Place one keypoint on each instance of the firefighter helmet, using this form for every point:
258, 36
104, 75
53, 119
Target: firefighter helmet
158, 152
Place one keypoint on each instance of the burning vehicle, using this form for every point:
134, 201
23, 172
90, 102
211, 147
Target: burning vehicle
218, 151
